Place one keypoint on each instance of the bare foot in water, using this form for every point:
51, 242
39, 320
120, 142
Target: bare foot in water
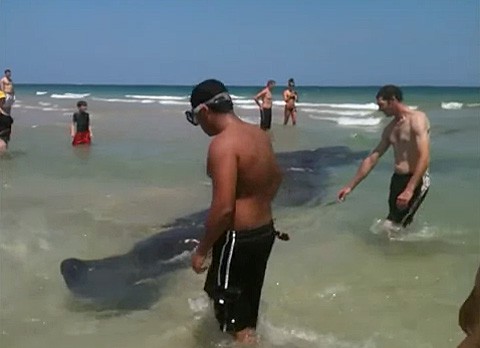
246, 336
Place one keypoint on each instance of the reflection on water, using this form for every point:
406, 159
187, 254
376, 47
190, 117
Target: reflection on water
334, 285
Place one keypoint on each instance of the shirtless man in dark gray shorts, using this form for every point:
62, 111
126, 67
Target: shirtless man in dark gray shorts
264, 101
408, 133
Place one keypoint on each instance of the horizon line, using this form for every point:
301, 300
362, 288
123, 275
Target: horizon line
232, 85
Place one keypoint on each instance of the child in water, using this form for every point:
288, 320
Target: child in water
81, 120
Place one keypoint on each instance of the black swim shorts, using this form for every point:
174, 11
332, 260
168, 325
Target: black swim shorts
235, 277
266, 118
397, 185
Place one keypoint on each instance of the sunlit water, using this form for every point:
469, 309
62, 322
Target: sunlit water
335, 284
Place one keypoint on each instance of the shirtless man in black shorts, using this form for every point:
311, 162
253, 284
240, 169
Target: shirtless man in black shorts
408, 133
264, 101
239, 229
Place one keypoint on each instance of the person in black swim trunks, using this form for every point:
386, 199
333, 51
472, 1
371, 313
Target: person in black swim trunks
264, 101
408, 133
6, 122
239, 229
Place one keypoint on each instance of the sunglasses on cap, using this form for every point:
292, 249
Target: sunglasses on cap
191, 115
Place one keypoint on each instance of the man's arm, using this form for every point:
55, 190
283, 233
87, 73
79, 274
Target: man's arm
367, 165
90, 127
222, 167
259, 97
72, 125
2, 84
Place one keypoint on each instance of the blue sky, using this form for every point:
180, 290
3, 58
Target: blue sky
243, 42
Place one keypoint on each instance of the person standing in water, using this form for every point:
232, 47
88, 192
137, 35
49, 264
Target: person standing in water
264, 101
408, 134
290, 97
81, 121
6, 122
6, 86
239, 228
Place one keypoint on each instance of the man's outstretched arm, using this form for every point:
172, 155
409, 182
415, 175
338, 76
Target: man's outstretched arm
366, 166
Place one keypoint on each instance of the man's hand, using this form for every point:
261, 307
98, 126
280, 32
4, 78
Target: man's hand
404, 198
198, 262
342, 194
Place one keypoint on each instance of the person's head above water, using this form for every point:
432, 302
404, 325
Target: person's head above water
389, 98
82, 105
209, 100
291, 83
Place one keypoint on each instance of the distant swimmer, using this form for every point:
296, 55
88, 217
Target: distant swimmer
6, 86
290, 97
81, 121
264, 102
469, 317
6, 122
408, 133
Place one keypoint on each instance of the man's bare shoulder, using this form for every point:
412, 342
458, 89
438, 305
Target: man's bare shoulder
222, 144
419, 121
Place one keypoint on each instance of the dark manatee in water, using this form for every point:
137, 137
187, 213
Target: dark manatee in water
128, 280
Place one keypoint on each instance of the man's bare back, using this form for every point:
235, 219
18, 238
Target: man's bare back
239, 231
258, 175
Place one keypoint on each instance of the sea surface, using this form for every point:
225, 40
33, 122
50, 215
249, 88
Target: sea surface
334, 285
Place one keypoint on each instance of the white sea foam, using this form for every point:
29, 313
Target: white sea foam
44, 104
284, 336
473, 105
156, 97
41, 92
173, 102
247, 107
70, 96
350, 121
367, 106
339, 112
452, 105
245, 101
116, 100
236, 96
252, 120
